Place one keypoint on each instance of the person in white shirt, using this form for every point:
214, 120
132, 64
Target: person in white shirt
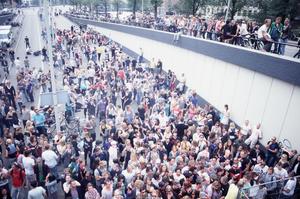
37, 192
28, 164
243, 29
17, 63
264, 36
279, 172
246, 129
226, 116
163, 120
289, 188
129, 174
256, 134
113, 153
50, 158
32, 113
261, 167
178, 176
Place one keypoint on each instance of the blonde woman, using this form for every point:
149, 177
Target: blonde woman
61, 147
134, 160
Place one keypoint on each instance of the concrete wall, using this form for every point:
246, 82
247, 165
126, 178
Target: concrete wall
250, 94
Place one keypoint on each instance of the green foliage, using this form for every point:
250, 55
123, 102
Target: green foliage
190, 7
156, 4
273, 8
117, 4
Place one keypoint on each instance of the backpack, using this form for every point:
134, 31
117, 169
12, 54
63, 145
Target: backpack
275, 31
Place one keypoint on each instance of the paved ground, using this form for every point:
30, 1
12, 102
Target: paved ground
32, 28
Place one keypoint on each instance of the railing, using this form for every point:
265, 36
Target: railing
259, 190
211, 35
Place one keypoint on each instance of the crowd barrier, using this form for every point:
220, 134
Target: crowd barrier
257, 191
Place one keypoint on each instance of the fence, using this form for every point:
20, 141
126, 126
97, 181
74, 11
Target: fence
259, 191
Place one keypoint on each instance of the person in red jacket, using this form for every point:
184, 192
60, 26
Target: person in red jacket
18, 180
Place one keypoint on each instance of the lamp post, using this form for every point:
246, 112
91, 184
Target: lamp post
49, 28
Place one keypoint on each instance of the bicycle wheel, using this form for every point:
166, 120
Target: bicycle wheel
260, 45
287, 143
73, 125
246, 43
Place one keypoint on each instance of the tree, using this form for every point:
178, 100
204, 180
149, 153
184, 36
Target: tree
133, 4
105, 4
117, 4
76, 3
190, 7
156, 4
273, 8
235, 6
2, 3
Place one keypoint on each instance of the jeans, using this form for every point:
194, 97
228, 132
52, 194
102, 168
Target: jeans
271, 159
276, 46
209, 35
54, 171
16, 192
282, 46
1, 131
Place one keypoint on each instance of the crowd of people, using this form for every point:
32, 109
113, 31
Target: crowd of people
234, 32
145, 134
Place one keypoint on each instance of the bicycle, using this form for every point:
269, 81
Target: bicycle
285, 146
252, 41
69, 126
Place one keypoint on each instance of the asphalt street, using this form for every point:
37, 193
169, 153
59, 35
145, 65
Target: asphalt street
32, 29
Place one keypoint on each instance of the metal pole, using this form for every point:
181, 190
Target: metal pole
48, 20
142, 6
227, 10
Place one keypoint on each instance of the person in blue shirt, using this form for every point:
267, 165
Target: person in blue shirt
39, 122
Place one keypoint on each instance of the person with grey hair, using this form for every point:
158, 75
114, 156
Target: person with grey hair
264, 36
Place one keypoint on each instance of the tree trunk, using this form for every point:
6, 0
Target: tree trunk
233, 9
105, 8
117, 9
134, 8
155, 10
194, 7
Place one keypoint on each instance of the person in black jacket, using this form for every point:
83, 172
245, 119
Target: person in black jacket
41, 170
181, 127
296, 167
10, 94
